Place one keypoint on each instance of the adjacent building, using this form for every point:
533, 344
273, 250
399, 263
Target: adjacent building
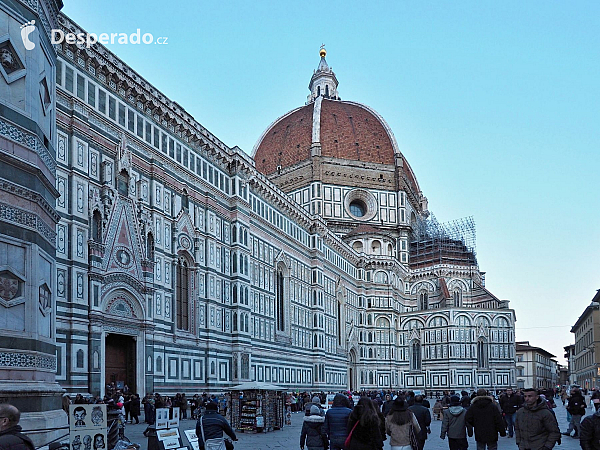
536, 367
585, 370
28, 216
183, 264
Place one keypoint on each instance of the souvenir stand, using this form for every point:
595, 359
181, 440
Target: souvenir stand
257, 407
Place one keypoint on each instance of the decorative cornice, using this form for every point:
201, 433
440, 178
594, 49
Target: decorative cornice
30, 195
27, 219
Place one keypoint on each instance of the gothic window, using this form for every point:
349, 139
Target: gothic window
327, 91
482, 354
318, 91
123, 182
280, 302
235, 321
185, 201
235, 294
457, 298
415, 357
183, 301
339, 320
97, 226
150, 247
423, 300
80, 359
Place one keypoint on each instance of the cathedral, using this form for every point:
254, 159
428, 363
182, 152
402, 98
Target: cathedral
137, 248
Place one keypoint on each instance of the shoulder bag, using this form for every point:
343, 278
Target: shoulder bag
212, 444
349, 438
414, 444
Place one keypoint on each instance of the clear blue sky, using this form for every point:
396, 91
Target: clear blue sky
496, 105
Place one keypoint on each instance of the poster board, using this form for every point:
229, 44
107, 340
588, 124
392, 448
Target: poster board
169, 438
162, 418
192, 439
174, 421
87, 427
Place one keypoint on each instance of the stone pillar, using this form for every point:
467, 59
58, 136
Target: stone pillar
28, 284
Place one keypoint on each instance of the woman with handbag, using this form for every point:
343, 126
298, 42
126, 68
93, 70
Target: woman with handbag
365, 427
313, 433
210, 428
402, 426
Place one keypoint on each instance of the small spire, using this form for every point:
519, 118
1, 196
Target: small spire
322, 51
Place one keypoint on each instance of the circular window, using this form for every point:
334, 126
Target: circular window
358, 208
360, 205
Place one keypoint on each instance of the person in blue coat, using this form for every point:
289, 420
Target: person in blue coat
336, 422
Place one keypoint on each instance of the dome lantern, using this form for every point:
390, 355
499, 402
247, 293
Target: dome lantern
323, 82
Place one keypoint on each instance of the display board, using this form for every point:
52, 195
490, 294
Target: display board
87, 427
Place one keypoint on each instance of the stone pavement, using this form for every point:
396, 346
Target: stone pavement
289, 437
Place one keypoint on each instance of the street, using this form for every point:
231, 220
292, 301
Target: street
289, 437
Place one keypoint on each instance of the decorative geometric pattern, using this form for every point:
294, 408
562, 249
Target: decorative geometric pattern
14, 359
30, 141
27, 219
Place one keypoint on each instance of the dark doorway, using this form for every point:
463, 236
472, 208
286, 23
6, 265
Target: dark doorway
120, 361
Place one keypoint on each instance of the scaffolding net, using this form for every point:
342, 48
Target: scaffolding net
434, 243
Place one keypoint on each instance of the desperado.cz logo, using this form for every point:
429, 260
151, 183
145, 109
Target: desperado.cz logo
89, 39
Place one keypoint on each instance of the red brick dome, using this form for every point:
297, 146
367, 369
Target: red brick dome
344, 130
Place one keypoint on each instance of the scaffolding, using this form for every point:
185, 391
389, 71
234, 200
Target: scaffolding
435, 243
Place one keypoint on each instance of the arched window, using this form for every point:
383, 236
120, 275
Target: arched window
370, 352
280, 302
415, 357
482, 354
315, 321
150, 247
80, 359
376, 247
183, 300
97, 226
327, 90
318, 91
339, 324
123, 182
390, 250
185, 201
357, 246
316, 341
235, 321
457, 298
235, 294
423, 300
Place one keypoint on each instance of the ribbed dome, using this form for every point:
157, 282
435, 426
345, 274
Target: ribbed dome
344, 130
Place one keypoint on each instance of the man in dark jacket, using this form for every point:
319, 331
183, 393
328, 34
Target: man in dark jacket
214, 424
485, 418
11, 437
423, 417
336, 421
576, 407
589, 439
510, 403
535, 425
455, 426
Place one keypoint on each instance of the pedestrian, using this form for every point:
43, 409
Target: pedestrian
455, 426
134, 408
211, 426
183, 404
423, 417
387, 405
465, 399
336, 421
510, 403
400, 423
485, 418
11, 437
589, 439
535, 425
364, 427
313, 433
596, 399
576, 406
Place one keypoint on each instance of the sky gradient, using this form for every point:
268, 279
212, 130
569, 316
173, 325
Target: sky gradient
496, 106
